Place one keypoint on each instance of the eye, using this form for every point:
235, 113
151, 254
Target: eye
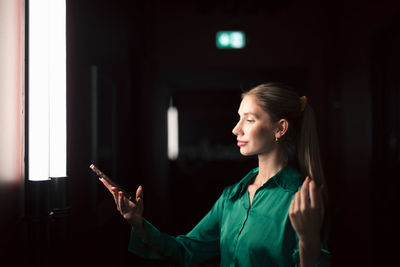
249, 120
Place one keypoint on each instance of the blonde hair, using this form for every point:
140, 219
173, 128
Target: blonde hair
301, 138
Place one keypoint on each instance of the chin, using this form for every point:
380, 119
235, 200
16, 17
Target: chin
246, 153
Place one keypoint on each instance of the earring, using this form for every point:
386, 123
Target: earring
277, 140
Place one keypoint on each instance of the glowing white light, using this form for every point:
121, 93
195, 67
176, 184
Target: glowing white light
173, 130
57, 89
230, 40
224, 39
47, 89
237, 39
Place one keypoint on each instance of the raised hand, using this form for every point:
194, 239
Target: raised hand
306, 213
131, 210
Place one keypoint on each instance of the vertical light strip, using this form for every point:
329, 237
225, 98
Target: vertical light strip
38, 90
47, 89
173, 130
57, 88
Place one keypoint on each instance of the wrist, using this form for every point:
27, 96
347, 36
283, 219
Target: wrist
310, 241
137, 225
138, 229
135, 220
310, 251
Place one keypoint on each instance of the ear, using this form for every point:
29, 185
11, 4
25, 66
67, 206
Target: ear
282, 127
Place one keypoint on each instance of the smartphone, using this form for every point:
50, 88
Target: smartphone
111, 182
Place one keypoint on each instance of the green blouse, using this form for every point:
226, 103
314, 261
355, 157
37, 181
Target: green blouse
259, 234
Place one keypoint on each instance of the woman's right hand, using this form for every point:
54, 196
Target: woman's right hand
131, 211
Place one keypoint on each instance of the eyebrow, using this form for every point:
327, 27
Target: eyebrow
249, 113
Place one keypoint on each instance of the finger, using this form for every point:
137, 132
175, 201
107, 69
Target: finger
114, 192
139, 195
291, 207
127, 203
296, 203
315, 196
304, 194
121, 203
139, 192
306, 184
106, 184
139, 202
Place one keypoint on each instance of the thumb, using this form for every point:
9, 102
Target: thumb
139, 193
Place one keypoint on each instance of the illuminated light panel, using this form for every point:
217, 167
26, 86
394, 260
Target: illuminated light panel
230, 40
173, 130
47, 89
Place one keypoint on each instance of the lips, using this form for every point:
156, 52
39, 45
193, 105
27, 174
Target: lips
241, 143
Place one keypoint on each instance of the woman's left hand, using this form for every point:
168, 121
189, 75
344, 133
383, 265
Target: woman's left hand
306, 212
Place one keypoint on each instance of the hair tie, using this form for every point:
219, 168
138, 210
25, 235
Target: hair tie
303, 103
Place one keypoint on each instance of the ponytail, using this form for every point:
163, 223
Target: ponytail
309, 159
308, 153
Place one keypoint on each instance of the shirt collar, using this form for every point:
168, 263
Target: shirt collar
287, 178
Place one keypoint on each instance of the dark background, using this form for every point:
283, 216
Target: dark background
343, 55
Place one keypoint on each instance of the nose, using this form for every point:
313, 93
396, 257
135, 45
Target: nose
237, 129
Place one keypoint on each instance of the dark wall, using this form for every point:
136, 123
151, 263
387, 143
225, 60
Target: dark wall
144, 53
358, 174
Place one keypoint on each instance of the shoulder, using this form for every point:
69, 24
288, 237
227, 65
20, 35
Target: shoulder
289, 178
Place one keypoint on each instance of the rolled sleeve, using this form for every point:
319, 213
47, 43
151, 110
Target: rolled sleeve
324, 259
138, 247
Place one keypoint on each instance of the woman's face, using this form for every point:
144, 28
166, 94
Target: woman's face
255, 132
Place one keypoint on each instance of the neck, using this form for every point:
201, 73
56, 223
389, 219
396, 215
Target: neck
269, 164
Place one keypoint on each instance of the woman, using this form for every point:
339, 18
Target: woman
273, 216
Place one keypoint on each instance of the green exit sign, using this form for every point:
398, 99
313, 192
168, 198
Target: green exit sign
231, 40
